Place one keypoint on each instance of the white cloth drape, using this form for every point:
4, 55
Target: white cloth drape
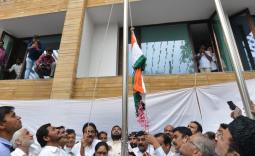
177, 107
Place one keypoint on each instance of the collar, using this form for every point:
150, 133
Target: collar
53, 149
19, 152
5, 142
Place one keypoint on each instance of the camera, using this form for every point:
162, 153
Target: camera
231, 105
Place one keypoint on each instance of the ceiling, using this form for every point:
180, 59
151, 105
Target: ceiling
146, 12
46, 24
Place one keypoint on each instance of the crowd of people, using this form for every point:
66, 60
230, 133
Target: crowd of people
234, 139
38, 61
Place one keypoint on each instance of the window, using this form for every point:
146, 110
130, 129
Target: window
167, 48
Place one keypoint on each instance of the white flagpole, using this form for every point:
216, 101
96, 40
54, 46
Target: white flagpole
233, 50
124, 141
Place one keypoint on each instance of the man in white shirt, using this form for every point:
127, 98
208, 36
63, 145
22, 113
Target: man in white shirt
165, 142
115, 143
204, 58
181, 135
143, 147
16, 68
168, 129
21, 141
198, 146
71, 137
214, 66
87, 145
48, 137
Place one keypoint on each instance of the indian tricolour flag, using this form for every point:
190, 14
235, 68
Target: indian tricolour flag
138, 64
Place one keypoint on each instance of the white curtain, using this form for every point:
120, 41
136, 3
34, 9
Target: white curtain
206, 105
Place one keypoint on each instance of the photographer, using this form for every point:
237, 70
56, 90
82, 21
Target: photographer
45, 65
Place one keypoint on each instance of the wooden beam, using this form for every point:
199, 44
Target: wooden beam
95, 3
65, 74
112, 86
21, 8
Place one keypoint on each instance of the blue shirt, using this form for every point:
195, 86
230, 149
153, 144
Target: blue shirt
5, 147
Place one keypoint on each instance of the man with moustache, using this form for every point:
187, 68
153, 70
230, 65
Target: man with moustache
198, 146
71, 136
132, 139
143, 147
63, 140
9, 124
165, 142
195, 127
168, 129
115, 143
21, 141
87, 145
48, 137
238, 139
180, 136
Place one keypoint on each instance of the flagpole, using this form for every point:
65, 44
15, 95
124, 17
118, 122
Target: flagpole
233, 50
124, 141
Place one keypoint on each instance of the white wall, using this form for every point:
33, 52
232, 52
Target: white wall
103, 60
96, 59
85, 49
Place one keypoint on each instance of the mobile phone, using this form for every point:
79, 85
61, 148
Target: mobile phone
231, 105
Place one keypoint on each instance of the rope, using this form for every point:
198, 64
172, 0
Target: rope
100, 61
130, 14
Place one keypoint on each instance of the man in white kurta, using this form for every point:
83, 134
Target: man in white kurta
86, 147
21, 141
48, 137
115, 143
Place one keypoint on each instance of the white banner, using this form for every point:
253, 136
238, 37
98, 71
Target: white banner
177, 107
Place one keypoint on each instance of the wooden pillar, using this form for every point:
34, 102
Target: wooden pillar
65, 74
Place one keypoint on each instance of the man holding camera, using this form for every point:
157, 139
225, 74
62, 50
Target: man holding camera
45, 65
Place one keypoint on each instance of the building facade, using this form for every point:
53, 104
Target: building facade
87, 38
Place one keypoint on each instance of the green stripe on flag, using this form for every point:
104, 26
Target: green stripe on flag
137, 99
140, 62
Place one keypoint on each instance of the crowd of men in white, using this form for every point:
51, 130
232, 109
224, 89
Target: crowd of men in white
234, 139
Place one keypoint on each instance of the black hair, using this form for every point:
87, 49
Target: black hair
2, 41
224, 126
183, 130
140, 133
158, 135
116, 126
5, 110
70, 131
98, 145
166, 137
199, 126
242, 130
49, 50
41, 133
89, 124
60, 127
132, 134
210, 135
102, 132
131, 153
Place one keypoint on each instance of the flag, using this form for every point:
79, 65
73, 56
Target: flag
138, 64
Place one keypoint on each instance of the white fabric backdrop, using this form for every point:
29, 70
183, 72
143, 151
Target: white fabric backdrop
177, 107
